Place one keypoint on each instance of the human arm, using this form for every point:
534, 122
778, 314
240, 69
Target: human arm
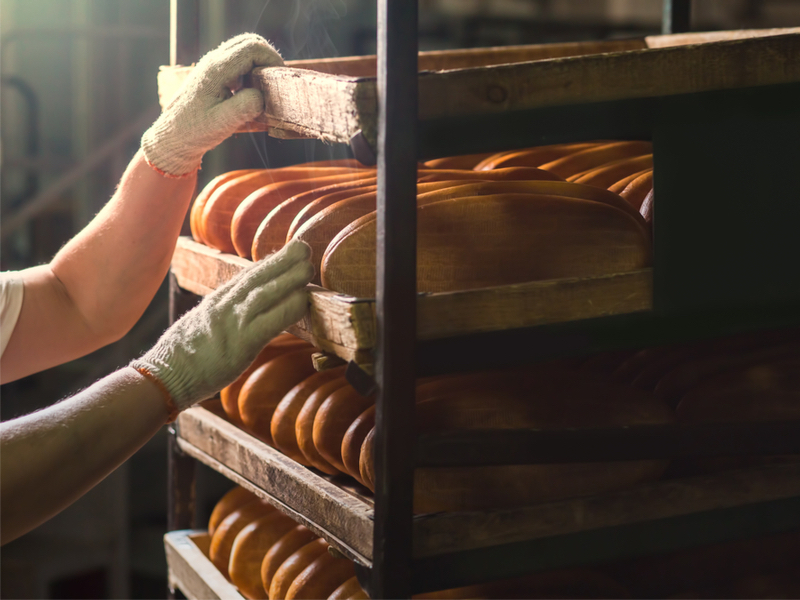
50, 458
101, 282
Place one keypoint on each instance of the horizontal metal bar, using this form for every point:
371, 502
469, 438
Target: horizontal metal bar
605, 545
575, 338
528, 446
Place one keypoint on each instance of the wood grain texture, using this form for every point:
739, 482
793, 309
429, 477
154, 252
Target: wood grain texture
190, 569
341, 517
331, 107
345, 326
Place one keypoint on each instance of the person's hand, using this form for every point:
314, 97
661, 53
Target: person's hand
212, 344
205, 111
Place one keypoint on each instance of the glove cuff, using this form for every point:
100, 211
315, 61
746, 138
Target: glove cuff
168, 157
172, 409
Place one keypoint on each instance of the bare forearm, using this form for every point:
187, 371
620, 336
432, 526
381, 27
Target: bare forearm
114, 266
51, 458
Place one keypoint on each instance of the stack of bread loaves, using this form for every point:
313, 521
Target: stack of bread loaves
568, 210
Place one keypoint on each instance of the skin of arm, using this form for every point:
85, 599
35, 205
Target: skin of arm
99, 284
98, 429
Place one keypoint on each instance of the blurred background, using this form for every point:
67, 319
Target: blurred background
77, 90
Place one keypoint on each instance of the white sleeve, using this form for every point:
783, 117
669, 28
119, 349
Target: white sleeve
11, 294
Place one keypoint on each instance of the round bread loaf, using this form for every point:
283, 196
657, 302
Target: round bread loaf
266, 387
333, 418
596, 156
304, 425
295, 564
321, 578
284, 419
196, 214
249, 548
222, 540
354, 439
349, 589
531, 157
287, 545
233, 499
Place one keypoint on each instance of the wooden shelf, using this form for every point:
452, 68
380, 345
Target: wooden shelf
335, 99
345, 326
342, 515
191, 571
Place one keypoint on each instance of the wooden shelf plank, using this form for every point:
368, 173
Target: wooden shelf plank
304, 102
191, 571
345, 326
338, 515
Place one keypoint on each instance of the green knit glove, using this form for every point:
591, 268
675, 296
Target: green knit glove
205, 111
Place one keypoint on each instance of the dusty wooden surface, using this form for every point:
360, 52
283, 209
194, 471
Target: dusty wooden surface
334, 107
345, 326
190, 569
340, 516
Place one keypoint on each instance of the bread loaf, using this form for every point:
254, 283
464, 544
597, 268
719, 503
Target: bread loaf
470, 243
226, 532
531, 157
304, 425
287, 545
463, 161
271, 233
589, 158
218, 210
248, 550
333, 418
284, 419
608, 174
506, 174
636, 191
620, 185
320, 578
229, 395
267, 386
196, 214
349, 589
249, 214
293, 566
353, 440
233, 499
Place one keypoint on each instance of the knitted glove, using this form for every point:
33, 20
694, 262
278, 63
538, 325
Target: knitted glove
205, 111
212, 344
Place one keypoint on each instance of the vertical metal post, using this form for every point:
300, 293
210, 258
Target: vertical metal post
184, 32
396, 287
676, 16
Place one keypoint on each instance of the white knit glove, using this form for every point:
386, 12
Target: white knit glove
205, 111
212, 344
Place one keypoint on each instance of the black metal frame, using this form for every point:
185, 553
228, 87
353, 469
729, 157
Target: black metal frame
693, 299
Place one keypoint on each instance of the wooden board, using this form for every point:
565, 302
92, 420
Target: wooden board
314, 100
345, 326
345, 518
191, 571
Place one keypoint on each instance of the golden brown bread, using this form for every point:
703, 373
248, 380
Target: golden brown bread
196, 214
215, 219
233, 499
304, 425
229, 395
320, 578
333, 418
226, 532
463, 161
313, 207
531, 157
638, 189
353, 440
606, 175
349, 589
272, 232
284, 419
366, 465
252, 210
293, 566
505, 174
589, 158
249, 548
267, 386
287, 545
470, 243
620, 185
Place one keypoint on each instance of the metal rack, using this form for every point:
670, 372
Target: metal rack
705, 285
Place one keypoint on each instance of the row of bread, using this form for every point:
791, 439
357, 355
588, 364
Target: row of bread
266, 554
321, 421
475, 228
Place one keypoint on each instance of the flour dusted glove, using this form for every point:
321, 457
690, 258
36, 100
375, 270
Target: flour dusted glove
205, 111
212, 344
